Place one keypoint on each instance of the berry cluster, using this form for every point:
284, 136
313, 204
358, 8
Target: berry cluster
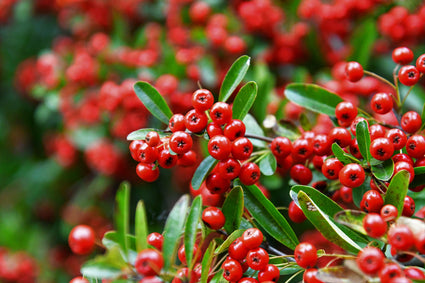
17, 266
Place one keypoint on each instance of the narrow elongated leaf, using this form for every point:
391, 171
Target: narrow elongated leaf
352, 219
342, 156
397, 190
326, 225
141, 227
191, 228
233, 209
330, 207
153, 101
223, 247
287, 129
384, 170
173, 230
122, 216
110, 240
419, 178
313, 97
244, 100
363, 139
100, 270
233, 77
305, 123
206, 262
252, 128
202, 171
268, 164
268, 217
141, 134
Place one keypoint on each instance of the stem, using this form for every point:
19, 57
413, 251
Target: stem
293, 276
253, 136
397, 90
372, 74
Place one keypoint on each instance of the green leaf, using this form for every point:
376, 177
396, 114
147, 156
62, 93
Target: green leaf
206, 262
122, 216
110, 240
233, 77
266, 81
363, 139
359, 192
352, 219
384, 170
419, 170
233, 209
268, 164
342, 156
141, 134
141, 227
202, 171
419, 178
305, 123
313, 97
173, 230
244, 100
327, 226
362, 42
423, 118
397, 190
191, 228
100, 270
223, 247
268, 217
252, 128
153, 101
286, 128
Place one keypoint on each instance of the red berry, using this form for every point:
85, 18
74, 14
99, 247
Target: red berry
149, 262
402, 55
352, 175
402, 157
219, 147
79, 279
216, 184
229, 168
187, 159
295, 213
400, 237
370, 260
374, 225
389, 212
341, 136
420, 63
180, 142
346, 194
345, 111
281, 147
152, 138
147, 172
331, 168
381, 149
408, 75
147, 154
305, 255
302, 149
257, 258
155, 239
382, 103
411, 122
353, 71
372, 201
249, 174
301, 174
414, 273
321, 145
248, 280
269, 274
213, 130
408, 207
177, 123
389, 271
166, 159
221, 113
242, 148
403, 165
195, 121
420, 242
199, 12
232, 270
355, 122
81, 239
415, 146
213, 218
397, 137
376, 131
252, 238
135, 149
310, 276
181, 254
202, 100
237, 249
354, 149
234, 129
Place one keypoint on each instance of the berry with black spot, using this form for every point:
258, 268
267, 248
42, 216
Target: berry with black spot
382, 103
234, 129
242, 148
202, 100
372, 201
389, 212
232, 270
301, 174
305, 255
252, 238
221, 113
397, 137
381, 149
249, 174
374, 225
180, 142
229, 168
177, 123
352, 175
281, 147
370, 260
411, 122
331, 168
346, 112
219, 147
415, 146
195, 121
149, 262
400, 237
257, 258
408, 75
213, 218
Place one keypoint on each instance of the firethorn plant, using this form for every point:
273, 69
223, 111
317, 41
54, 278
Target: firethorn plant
230, 229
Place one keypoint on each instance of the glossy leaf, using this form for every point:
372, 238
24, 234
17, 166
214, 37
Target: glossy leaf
244, 100
313, 97
141, 134
268, 217
363, 139
327, 226
206, 261
153, 101
305, 123
233, 77
223, 247
362, 42
252, 128
233, 209
384, 170
100, 270
110, 240
352, 219
342, 156
173, 230
359, 192
397, 190
322, 200
266, 81
191, 228
202, 171
419, 170
419, 178
268, 164
287, 129
141, 227
122, 216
